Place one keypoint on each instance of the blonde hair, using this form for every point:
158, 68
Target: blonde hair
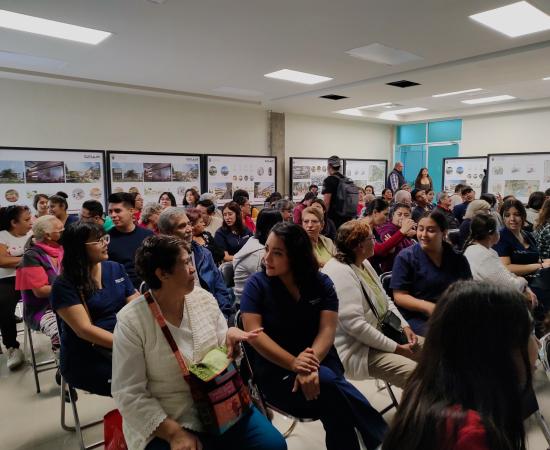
315, 212
42, 226
475, 207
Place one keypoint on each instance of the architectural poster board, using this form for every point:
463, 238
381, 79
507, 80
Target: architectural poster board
367, 172
227, 173
151, 174
303, 173
25, 172
466, 170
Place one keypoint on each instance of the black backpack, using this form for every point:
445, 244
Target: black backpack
347, 198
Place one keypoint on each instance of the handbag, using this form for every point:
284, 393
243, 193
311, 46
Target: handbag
218, 391
389, 324
113, 435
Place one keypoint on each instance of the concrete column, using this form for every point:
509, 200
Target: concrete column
277, 147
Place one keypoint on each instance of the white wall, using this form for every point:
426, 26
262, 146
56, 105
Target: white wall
44, 115
506, 133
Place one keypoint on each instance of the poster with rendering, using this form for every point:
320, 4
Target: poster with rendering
519, 174
303, 173
27, 172
254, 174
151, 174
463, 171
367, 172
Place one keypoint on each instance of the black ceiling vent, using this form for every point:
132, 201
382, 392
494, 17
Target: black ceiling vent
333, 97
403, 83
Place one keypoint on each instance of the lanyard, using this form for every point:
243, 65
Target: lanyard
157, 314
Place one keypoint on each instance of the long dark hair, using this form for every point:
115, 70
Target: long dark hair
239, 226
170, 196
544, 215
9, 213
377, 205
419, 177
481, 227
536, 199
468, 363
303, 263
514, 203
195, 194
265, 221
59, 200
75, 264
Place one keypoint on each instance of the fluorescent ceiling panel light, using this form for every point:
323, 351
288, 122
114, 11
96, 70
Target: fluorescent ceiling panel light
407, 110
51, 28
350, 112
516, 19
546, 79
467, 91
496, 98
297, 77
376, 105
382, 54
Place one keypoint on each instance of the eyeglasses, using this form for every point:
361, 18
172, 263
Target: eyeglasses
105, 239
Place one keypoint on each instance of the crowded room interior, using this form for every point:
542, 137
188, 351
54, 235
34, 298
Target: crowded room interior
269, 226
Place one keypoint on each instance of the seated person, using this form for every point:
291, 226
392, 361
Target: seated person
248, 260
329, 228
422, 272
92, 211
154, 399
450, 401
174, 222
232, 235
35, 274
149, 216
484, 261
519, 253
295, 363
208, 211
474, 207
365, 351
58, 206
88, 314
125, 237
203, 237
468, 195
323, 247
400, 222
444, 202
244, 203
422, 204
300, 206
285, 207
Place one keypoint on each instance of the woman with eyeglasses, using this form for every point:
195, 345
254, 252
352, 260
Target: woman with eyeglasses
35, 274
87, 296
15, 225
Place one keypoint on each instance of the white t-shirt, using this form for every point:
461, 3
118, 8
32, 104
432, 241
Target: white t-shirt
16, 247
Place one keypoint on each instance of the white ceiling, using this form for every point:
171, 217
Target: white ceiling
204, 47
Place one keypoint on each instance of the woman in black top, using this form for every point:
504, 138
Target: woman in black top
203, 237
232, 235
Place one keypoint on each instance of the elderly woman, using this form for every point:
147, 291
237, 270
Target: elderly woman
285, 207
365, 351
323, 247
474, 207
150, 216
87, 296
403, 196
154, 399
422, 272
296, 364
329, 229
35, 274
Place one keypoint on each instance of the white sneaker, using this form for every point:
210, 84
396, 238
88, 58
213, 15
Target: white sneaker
15, 358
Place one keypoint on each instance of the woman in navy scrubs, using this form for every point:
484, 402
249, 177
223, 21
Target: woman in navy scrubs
296, 364
422, 272
232, 235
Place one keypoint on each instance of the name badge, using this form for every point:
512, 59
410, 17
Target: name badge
314, 301
119, 280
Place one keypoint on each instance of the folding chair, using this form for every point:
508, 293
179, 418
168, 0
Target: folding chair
71, 393
38, 367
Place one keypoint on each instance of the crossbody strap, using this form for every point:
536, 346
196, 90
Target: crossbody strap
369, 301
157, 314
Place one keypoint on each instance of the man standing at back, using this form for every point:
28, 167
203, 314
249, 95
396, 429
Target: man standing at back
126, 237
340, 202
396, 178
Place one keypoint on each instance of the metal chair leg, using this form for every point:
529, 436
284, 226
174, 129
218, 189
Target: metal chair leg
288, 432
33, 358
77, 426
394, 402
543, 426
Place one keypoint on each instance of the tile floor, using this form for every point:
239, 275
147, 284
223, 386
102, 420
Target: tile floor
33, 421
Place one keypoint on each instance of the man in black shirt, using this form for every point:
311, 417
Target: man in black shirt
330, 189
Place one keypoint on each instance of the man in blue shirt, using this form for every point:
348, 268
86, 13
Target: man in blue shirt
174, 221
468, 194
126, 237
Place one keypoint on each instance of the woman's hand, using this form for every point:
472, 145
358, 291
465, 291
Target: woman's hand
406, 350
235, 335
309, 384
408, 226
306, 362
412, 338
183, 440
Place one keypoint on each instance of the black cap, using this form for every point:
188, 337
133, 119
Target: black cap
335, 162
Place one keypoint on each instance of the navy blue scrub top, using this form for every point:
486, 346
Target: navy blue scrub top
231, 242
414, 272
292, 324
508, 245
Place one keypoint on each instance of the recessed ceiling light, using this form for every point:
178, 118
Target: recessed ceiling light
516, 19
392, 115
382, 54
447, 94
546, 79
51, 28
496, 98
297, 77
376, 105
350, 112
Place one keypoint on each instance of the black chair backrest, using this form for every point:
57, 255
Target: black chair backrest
228, 274
385, 279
